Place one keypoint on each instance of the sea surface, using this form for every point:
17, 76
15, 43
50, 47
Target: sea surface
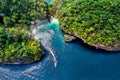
65, 61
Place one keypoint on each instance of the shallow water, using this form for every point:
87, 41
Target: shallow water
48, 1
65, 61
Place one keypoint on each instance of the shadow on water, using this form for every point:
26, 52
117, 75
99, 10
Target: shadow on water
19, 67
23, 67
94, 49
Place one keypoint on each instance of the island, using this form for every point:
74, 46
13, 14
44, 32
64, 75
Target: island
96, 22
17, 46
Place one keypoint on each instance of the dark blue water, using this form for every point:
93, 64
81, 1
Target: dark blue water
65, 61
74, 61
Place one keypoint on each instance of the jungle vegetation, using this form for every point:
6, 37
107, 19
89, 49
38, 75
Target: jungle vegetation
22, 11
96, 22
16, 45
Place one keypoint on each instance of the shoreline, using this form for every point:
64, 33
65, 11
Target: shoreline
97, 46
29, 32
25, 63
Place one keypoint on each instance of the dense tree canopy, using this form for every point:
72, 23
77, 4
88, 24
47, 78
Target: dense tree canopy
97, 22
22, 11
18, 46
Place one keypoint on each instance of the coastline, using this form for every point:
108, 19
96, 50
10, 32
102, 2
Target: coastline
23, 62
76, 36
29, 32
98, 32
97, 46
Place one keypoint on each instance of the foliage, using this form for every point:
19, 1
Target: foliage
22, 11
95, 21
18, 46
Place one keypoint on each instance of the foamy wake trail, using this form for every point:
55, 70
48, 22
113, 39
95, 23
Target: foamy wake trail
55, 61
44, 35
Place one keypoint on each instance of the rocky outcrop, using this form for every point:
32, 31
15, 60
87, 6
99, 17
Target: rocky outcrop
69, 38
114, 46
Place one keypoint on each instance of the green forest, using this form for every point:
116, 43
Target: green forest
96, 22
16, 45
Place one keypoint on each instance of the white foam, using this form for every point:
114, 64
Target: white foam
55, 61
44, 35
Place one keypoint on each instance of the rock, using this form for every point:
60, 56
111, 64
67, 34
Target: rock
69, 38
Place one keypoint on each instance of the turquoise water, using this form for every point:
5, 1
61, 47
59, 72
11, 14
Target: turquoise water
65, 61
48, 1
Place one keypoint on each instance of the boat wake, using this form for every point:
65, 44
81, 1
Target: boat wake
44, 34
55, 61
